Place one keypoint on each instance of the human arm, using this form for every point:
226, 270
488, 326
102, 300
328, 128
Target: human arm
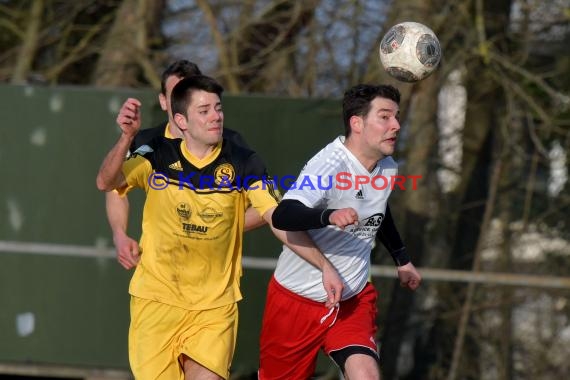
293, 215
390, 238
110, 176
292, 218
409, 276
127, 249
289, 222
264, 197
253, 220
302, 244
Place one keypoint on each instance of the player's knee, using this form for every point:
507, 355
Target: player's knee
357, 363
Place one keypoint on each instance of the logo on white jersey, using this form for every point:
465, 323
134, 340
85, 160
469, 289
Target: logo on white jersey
359, 194
373, 220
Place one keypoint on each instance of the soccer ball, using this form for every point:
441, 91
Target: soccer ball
410, 51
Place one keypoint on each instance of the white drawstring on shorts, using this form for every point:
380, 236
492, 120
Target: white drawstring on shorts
331, 310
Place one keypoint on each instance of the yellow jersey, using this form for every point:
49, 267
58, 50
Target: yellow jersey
193, 220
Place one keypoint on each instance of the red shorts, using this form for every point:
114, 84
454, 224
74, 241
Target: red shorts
295, 329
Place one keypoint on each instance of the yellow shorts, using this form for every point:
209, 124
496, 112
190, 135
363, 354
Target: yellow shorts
159, 334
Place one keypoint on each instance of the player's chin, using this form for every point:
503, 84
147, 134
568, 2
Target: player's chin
215, 135
387, 150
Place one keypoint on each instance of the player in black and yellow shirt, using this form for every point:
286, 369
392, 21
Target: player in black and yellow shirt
185, 288
117, 207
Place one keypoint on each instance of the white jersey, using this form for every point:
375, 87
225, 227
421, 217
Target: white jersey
329, 181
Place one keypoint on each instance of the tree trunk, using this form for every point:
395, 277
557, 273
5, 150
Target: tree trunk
464, 210
418, 214
125, 58
420, 206
29, 44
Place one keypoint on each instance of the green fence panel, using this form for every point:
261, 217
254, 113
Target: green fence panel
68, 309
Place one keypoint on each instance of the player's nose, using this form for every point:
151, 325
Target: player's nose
217, 115
395, 125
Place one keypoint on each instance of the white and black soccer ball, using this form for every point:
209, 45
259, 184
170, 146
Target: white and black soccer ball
410, 51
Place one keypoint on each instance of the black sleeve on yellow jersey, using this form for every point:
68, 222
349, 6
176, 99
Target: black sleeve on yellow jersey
254, 170
145, 136
153, 161
235, 137
261, 190
159, 151
293, 215
390, 238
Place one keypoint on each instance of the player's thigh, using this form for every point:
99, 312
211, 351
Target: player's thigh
355, 328
152, 337
361, 367
357, 362
291, 335
193, 370
209, 339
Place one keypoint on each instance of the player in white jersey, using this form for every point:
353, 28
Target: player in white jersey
325, 301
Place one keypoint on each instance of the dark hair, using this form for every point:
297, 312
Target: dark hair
181, 68
182, 93
357, 99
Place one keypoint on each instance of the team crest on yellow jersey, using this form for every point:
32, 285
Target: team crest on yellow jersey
183, 210
224, 173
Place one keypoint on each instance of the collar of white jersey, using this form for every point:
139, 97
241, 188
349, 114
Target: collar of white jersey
339, 141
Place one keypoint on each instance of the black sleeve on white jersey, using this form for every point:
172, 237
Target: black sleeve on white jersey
390, 238
292, 215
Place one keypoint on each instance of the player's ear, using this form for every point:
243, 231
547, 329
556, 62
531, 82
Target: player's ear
180, 121
356, 123
162, 101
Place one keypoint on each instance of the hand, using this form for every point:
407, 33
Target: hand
344, 217
129, 118
409, 276
128, 252
333, 284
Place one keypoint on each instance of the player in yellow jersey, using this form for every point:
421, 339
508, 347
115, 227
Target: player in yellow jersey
185, 288
117, 207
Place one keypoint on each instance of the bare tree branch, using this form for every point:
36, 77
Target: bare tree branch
78, 51
533, 78
467, 304
223, 54
29, 43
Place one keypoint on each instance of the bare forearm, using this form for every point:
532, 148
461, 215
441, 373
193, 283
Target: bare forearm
253, 220
299, 241
110, 176
117, 212
302, 244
